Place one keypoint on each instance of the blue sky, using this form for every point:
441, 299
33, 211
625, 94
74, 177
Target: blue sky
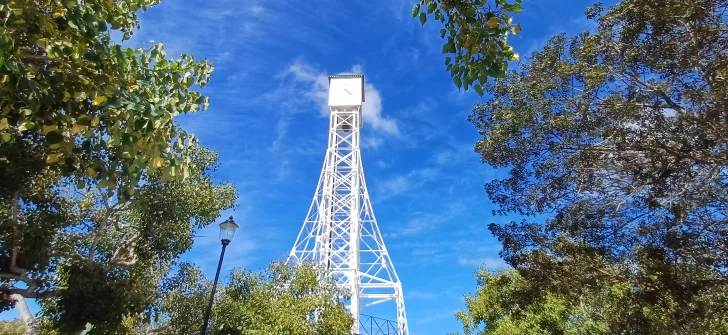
268, 122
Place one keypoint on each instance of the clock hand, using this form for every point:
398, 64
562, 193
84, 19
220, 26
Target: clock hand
347, 91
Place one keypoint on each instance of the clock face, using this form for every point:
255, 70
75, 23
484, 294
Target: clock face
345, 92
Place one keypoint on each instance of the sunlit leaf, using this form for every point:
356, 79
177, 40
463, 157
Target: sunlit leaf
25, 125
49, 128
53, 158
98, 100
77, 128
109, 184
157, 162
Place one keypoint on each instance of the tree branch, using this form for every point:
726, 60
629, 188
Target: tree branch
32, 284
659, 92
698, 57
125, 249
16, 231
64, 63
31, 325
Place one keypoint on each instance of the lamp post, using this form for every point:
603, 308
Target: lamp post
227, 232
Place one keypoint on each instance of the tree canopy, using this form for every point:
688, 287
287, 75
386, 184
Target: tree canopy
476, 37
85, 105
500, 307
15, 327
618, 138
91, 259
278, 300
100, 189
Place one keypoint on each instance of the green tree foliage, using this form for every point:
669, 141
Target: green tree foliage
618, 138
100, 189
181, 305
476, 37
279, 300
15, 327
498, 307
94, 259
85, 105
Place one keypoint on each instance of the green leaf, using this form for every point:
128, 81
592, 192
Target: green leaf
442, 33
140, 124
431, 8
445, 48
54, 137
25, 125
457, 81
98, 100
78, 96
497, 73
128, 139
478, 89
423, 18
53, 158
84, 120
415, 10
447, 60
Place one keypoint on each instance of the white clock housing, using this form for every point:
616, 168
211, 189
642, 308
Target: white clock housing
346, 90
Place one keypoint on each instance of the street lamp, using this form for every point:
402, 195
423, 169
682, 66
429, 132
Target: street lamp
227, 232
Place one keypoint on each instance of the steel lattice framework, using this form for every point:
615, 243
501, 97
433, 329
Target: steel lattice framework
340, 232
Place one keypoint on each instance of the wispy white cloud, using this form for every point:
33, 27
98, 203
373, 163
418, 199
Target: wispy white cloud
395, 185
402, 183
450, 157
281, 130
454, 155
424, 222
420, 295
466, 251
372, 142
435, 315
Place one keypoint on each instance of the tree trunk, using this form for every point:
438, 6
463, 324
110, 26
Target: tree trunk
31, 325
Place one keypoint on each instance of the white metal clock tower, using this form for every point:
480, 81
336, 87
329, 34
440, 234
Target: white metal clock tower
340, 232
